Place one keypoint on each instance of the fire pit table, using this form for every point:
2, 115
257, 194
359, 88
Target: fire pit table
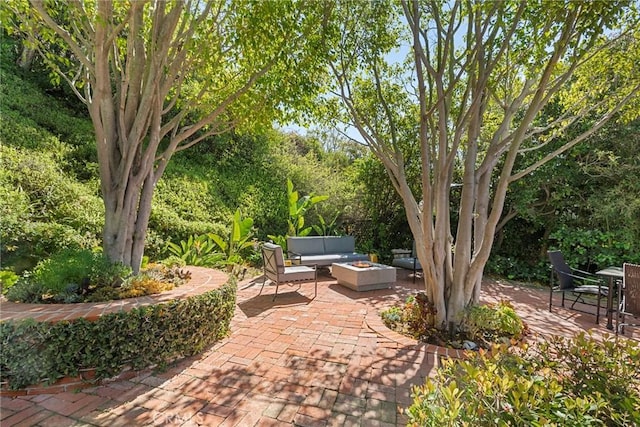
364, 275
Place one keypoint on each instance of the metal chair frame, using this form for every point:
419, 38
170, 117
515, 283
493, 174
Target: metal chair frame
567, 278
276, 271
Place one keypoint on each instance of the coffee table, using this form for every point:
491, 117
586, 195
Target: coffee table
373, 276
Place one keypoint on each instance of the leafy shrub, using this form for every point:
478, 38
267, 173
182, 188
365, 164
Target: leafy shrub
7, 279
514, 268
143, 285
415, 318
68, 275
485, 325
579, 381
237, 240
492, 323
26, 290
43, 209
156, 278
34, 352
197, 251
80, 275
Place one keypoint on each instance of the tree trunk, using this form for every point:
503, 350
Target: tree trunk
126, 223
26, 58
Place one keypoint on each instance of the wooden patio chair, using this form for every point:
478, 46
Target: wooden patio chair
276, 271
629, 296
573, 281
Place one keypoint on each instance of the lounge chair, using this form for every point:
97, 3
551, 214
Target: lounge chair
276, 271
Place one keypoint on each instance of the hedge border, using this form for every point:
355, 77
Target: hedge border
35, 352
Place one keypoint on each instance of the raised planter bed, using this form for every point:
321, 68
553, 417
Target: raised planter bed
63, 347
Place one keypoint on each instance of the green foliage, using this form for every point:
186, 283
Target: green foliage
238, 239
324, 228
196, 250
67, 276
583, 204
492, 323
7, 279
80, 275
26, 290
485, 325
415, 318
380, 221
279, 240
153, 279
155, 335
45, 210
298, 207
514, 267
581, 381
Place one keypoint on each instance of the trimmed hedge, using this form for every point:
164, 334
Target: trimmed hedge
32, 352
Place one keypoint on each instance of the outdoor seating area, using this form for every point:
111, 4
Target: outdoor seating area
303, 359
619, 287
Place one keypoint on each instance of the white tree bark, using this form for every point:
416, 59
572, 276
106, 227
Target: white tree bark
135, 59
479, 88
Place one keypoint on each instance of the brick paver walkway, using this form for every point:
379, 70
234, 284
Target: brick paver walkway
295, 361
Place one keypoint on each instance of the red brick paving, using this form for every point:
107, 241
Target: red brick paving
296, 361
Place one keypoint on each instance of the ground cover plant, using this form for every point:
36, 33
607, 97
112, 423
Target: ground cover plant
84, 276
481, 327
581, 381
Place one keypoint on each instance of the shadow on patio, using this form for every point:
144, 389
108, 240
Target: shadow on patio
299, 360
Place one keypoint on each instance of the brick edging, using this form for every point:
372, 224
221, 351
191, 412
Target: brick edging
375, 323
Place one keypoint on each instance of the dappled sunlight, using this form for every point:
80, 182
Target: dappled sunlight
302, 360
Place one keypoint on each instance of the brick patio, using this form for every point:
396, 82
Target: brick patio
296, 361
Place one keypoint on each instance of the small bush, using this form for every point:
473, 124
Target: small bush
416, 318
154, 279
579, 381
197, 251
143, 285
484, 325
79, 275
7, 279
492, 323
26, 290
78, 267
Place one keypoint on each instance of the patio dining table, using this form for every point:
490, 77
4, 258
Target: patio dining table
612, 273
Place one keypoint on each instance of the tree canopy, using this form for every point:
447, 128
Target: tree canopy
158, 77
471, 107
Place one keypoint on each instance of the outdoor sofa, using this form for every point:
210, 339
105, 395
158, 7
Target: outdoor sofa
323, 250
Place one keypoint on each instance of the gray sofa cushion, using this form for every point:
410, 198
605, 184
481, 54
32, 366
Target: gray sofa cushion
329, 259
406, 263
339, 244
324, 250
306, 245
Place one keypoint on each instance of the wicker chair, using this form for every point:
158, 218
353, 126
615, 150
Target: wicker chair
629, 296
276, 271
